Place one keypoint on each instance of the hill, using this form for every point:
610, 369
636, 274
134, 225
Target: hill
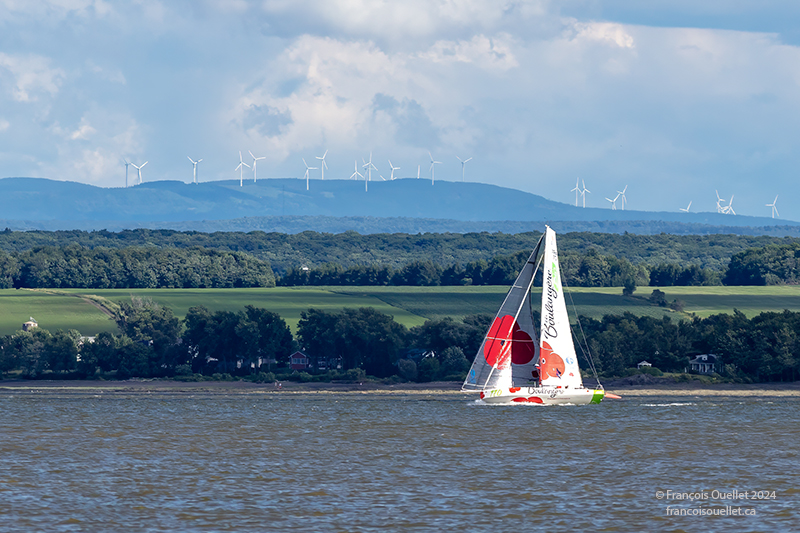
404, 205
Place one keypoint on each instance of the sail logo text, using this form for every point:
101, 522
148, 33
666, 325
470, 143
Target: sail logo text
549, 320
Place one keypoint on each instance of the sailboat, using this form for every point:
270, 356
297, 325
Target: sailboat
511, 366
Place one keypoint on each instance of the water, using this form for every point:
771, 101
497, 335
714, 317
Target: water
161, 461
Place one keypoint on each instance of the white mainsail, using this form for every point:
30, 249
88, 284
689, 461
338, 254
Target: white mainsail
558, 363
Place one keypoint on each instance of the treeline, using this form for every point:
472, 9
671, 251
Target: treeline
578, 270
285, 251
74, 266
770, 265
763, 348
152, 342
257, 343
167, 260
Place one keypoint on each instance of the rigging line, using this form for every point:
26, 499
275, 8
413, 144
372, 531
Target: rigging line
587, 354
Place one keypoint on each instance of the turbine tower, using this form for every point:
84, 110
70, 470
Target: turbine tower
774, 209
686, 210
368, 167
391, 176
194, 168
255, 161
464, 164
324, 165
355, 175
126, 171
139, 170
432, 164
308, 168
577, 190
240, 168
583, 193
613, 202
624, 200
418, 167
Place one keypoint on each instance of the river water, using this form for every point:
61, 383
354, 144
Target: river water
166, 461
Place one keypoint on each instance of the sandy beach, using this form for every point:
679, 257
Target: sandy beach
690, 389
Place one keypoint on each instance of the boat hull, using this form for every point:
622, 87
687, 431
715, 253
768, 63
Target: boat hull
543, 396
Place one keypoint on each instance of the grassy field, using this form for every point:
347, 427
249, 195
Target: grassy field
410, 306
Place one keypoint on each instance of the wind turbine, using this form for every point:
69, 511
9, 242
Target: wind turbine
194, 168
255, 161
391, 176
308, 168
583, 193
355, 175
464, 163
614, 201
418, 167
324, 164
577, 190
720, 208
686, 210
624, 200
240, 168
729, 208
126, 171
139, 170
433, 163
774, 209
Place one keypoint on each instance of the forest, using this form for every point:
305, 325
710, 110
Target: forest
169, 259
255, 344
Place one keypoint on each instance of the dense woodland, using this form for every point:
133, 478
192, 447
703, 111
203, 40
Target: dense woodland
74, 266
255, 344
287, 251
170, 259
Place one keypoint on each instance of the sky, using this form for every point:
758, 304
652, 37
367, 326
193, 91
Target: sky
676, 99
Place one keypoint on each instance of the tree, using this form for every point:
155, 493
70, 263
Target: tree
363, 338
265, 335
151, 325
61, 351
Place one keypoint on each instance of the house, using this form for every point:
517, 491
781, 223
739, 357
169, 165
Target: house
704, 364
29, 325
299, 361
643, 364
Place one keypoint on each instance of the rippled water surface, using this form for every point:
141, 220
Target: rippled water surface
89, 461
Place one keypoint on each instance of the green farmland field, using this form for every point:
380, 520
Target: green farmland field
410, 306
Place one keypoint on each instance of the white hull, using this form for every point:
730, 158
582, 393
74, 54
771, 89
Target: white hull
543, 396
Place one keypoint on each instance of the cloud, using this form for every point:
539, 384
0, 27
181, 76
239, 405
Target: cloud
403, 24
31, 75
485, 52
4, 124
92, 151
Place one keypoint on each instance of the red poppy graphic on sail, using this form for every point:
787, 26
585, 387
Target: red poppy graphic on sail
507, 343
551, 365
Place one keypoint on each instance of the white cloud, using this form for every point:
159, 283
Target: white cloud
604, 32
31, 74
485, 52
83, 132
400, 23
4, 124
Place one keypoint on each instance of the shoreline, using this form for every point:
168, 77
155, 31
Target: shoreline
449, 388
